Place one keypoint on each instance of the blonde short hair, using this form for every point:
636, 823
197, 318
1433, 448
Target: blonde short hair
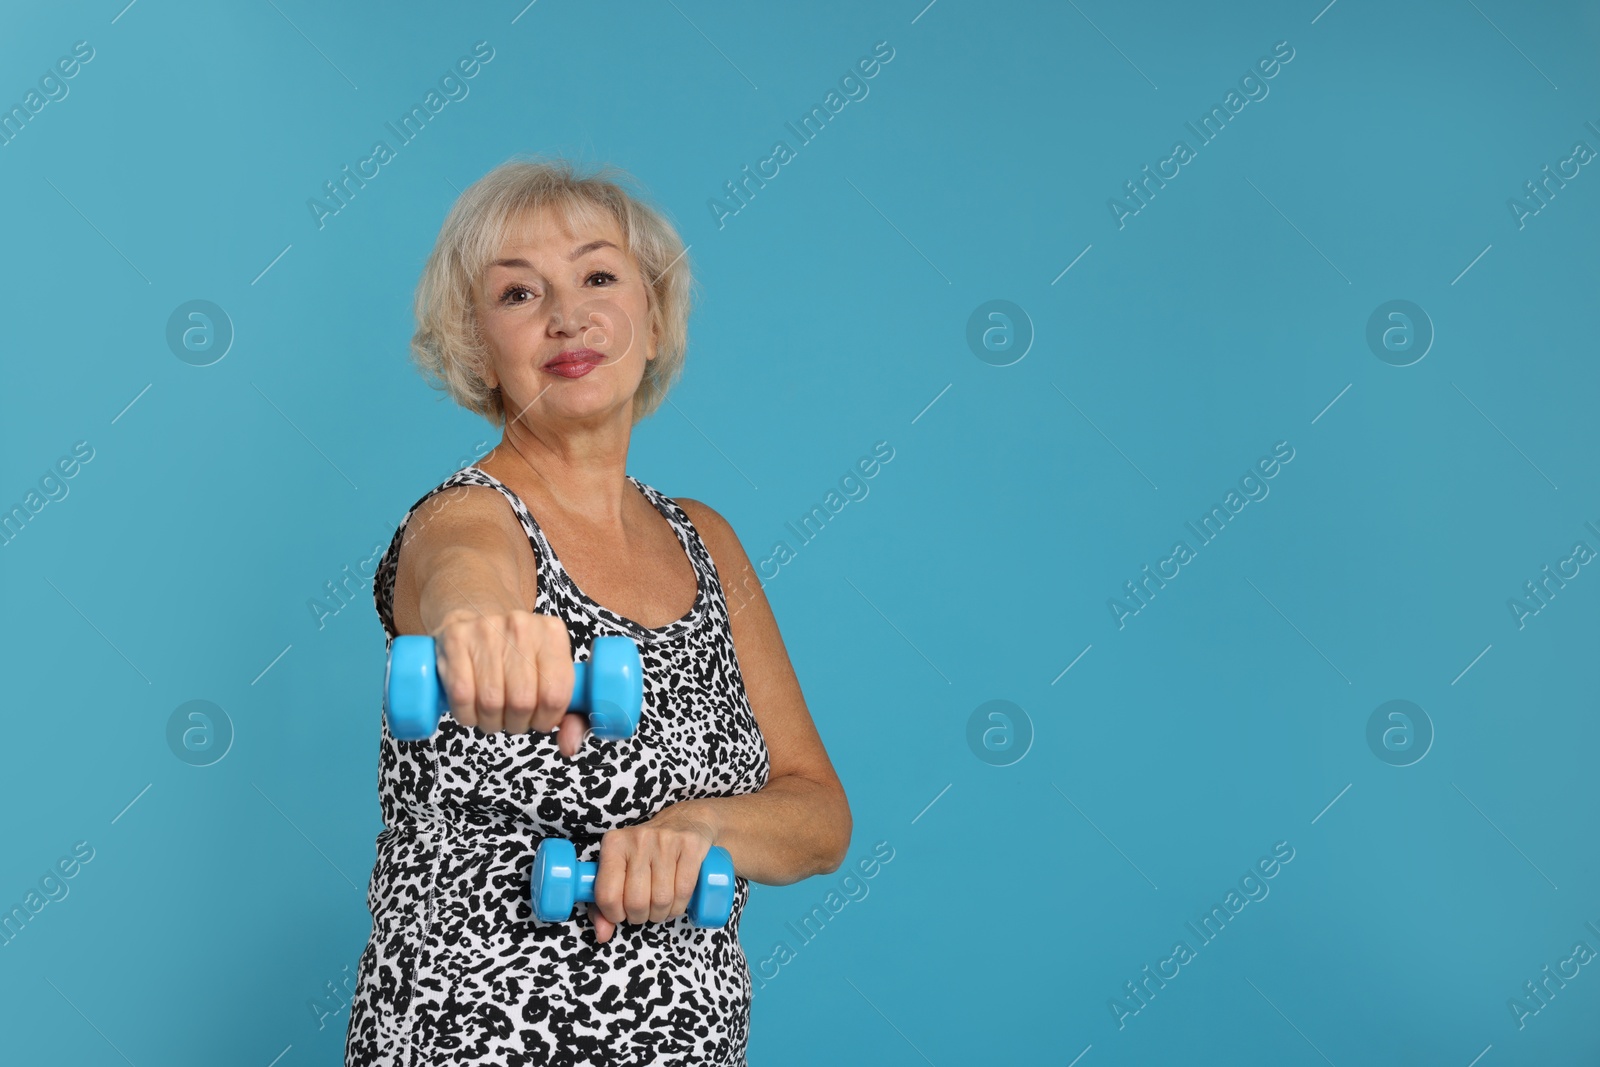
448, 346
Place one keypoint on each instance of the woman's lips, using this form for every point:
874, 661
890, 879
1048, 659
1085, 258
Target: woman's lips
574, 365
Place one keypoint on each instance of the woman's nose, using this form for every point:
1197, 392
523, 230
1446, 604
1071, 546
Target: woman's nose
565, 312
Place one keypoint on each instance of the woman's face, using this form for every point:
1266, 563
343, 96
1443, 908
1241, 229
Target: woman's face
566, 320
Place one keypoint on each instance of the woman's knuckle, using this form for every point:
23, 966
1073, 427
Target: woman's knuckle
521, 695
550, 698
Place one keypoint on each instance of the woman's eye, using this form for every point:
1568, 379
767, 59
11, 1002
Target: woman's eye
510, 291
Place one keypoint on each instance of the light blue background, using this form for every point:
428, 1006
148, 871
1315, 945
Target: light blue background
1229, 715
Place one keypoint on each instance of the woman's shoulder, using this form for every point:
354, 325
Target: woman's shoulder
722, 545
467, 508
706, 519
464, 476
468, 497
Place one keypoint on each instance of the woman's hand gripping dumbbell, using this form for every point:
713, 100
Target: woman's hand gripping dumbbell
559, 881
608, 688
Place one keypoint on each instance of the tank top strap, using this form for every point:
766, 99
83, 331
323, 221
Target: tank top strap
388, 566
688, 537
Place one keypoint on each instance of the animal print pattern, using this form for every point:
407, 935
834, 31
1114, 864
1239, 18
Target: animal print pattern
456, 969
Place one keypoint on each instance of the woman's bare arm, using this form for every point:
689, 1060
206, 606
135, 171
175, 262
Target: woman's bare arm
467, 576
799, 825
463, 552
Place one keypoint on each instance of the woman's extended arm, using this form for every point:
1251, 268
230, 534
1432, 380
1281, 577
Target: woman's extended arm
799, 825
465, 576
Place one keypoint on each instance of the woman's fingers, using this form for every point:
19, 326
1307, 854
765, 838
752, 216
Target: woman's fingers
512, 672
603, 927
453, 652
664, 888
488, 665
552, 651
688, 873
638, 886
521, 671
574, 728
624, 880
610, 876
647, 873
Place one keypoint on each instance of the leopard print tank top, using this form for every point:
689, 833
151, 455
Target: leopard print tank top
456, 969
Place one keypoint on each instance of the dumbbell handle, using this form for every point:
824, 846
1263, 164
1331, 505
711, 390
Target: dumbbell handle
583, 883
608, 688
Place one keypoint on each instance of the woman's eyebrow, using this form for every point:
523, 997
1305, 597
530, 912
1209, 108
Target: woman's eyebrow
520, 262
590, 247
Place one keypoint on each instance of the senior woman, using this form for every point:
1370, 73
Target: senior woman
555, 305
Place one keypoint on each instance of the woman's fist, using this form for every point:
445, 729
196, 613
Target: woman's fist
511, 671
647, 872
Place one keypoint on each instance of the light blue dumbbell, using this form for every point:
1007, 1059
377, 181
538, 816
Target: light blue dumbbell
560, 881
609, 688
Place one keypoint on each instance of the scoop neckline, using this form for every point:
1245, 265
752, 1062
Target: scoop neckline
594, 607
